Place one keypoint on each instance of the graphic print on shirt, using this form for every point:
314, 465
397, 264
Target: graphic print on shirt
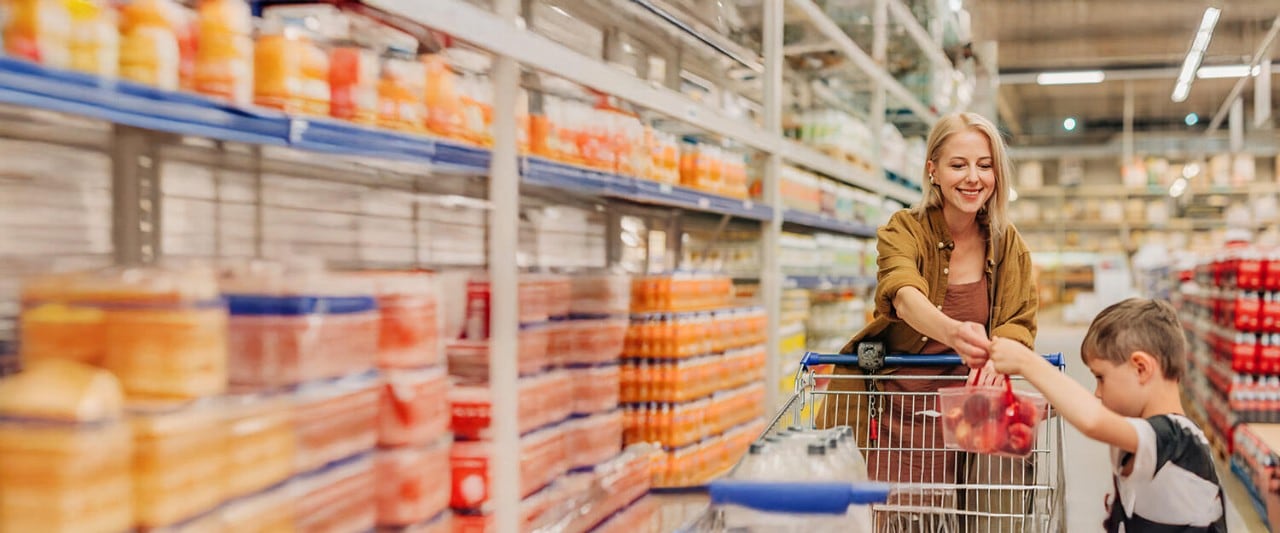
1172, 487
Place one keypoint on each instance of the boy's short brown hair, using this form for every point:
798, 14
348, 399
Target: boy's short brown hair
1138, 324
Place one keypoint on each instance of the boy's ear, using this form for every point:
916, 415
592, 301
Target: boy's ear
1146, 366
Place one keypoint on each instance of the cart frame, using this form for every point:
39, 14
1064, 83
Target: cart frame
974, 492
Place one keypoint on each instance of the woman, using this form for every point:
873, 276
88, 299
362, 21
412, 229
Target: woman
953, 273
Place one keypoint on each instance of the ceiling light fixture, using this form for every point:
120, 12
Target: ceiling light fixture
1179, 186
1069, 124
1227, 71
1199, 44
1071, 77
1192, 119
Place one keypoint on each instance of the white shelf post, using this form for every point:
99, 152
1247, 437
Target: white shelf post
771, 276
504, 230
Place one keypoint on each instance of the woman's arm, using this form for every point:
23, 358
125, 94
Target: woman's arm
901, 292
968, 339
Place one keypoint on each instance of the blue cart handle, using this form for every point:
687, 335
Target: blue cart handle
797, 497
813, 358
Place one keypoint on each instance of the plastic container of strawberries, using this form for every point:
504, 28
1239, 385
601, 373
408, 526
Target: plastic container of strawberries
994, 420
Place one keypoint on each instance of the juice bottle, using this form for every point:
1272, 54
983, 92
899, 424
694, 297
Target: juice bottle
353, 83
37, 30
291, 72
94, 40
402, 91
224, 59
444, 108
690, 154
149, 50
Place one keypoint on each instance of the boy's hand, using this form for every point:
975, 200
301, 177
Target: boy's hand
969, 339
1010, 356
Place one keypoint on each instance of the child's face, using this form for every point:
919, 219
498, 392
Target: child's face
1117, 386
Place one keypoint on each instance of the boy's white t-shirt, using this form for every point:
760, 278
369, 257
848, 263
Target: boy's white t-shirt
1173, 486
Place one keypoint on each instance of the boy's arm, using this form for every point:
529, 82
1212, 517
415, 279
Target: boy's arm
1081, 409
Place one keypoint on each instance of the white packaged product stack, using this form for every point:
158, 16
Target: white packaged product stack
801, 455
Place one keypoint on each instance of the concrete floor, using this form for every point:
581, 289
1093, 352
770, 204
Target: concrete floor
1089, 472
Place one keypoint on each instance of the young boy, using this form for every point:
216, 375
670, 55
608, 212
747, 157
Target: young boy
1163, 470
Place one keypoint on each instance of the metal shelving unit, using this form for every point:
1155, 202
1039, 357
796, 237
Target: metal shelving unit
249, 151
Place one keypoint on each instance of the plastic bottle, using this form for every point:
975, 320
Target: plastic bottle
36, 30
149, 43
94, 40
224, 58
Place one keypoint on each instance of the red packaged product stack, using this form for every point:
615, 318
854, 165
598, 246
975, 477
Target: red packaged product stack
292, 327
410, 488
414, 407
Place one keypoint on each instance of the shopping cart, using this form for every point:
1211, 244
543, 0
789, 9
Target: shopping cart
896, 421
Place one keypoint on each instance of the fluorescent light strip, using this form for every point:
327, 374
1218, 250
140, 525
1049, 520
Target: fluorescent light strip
1070, 78
1227, 71
1199, 44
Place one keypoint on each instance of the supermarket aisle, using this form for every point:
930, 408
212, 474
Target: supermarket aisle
1088, 471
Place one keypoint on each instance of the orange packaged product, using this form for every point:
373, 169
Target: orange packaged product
290, 327
335, 420
339, 497
38, 30
261, 443
180, 461
94, 40
270, 511
65, 452
161, 331
354, 83
444, 104
410, 323
414, 407
412, 483
291, 71
402, 91
149, 48
224, 58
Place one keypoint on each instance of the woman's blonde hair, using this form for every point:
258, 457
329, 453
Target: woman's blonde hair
997, 208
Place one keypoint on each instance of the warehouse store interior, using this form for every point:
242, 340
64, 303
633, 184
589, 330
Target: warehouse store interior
340, 266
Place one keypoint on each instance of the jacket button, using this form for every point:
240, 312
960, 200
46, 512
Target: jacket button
924, 339
946, 271
942, 245
939, 307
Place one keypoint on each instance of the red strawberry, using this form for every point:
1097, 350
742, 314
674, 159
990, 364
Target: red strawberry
964, 435
1021, 437
953, 418
977, 409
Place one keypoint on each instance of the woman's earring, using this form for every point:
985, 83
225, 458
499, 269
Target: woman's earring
931, 180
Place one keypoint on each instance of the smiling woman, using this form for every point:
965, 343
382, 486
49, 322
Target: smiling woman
953, 272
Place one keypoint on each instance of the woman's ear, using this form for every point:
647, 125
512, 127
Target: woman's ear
1145, 365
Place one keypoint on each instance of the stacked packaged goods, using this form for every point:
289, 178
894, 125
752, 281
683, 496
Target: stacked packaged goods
571, 335
692, 379
288, 440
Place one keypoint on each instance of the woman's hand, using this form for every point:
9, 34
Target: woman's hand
986, 376
969, 339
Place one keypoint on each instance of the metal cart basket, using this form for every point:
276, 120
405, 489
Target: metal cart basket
895, 416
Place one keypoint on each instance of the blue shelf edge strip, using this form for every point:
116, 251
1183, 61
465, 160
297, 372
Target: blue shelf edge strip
30, 85
1247, 481
823, 222
820, 282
